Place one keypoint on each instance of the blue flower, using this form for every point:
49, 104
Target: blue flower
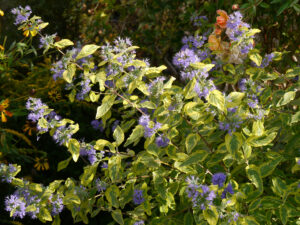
138, 197
228, 189
162, 141
21, 13
97, 125
218, 179
57, 204
184, 58
14, 202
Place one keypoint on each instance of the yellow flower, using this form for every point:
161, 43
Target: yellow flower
1, 13
30, 127
30, 30
4, 112
41, 164
1, 48
54, 95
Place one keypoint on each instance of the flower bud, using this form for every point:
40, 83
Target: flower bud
235, 7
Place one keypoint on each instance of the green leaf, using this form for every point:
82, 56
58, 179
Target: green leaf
151, 70
262, 140
69, 73
217, 99
126, 195
279, 186
202, 66
168, 85
267, 168
252, 32
196, 157
70, 199
283, 7
256, 58
88, 174
292, 72
211, 215
283, 214
287, 97
74, 148
101, 143
107, 103
112, 193
63, 43
117, 216
188, 90
258, 128
44, 214
118, 135
235, 99
230, 68
114, 168
135, 136
87, 50
56, 220
160, 184
94, 97
233, 144
136, 63
295, 117
254, 204
269, 202
191, 141
253, 174
188, 219
249, 220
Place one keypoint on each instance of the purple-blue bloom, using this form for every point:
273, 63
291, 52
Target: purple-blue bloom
138, 197
6, 172
144, 120
14, 202
57, 204
114, 125
85, 89
21, 13
162, 141
89, 151
100, 185
97, 125
141, 222
228, 189
184, 58
218, 179
47, 40
266, 60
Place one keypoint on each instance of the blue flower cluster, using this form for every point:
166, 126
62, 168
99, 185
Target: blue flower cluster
203, 196
232, 122
63, 132
22, 14
138, 197
149, 126
140, 222
47, 40
7, 172
190, 53
24, 198
252, 90
89, 151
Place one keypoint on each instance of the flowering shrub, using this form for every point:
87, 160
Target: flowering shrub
220, 146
